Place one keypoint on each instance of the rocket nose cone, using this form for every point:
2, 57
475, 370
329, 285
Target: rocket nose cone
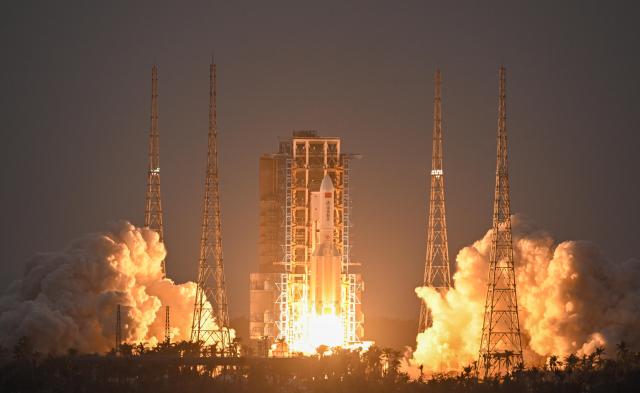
327, 184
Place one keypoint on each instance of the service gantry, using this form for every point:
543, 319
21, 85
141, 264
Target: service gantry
436, 270
210, 313
500, 344
153, 206
305, 159
278, 292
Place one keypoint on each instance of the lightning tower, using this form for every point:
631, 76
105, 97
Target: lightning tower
500, 344
167, 326
118, 329
436, 270
153, 206
210, 323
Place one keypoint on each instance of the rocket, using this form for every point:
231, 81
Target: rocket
325, 271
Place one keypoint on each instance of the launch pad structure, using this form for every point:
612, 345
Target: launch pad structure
280, 290
305, 270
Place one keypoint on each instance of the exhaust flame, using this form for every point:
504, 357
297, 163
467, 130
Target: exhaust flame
570, 298
68, 299
325, 330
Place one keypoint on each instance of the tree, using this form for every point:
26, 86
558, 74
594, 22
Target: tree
234, 347
571, 362
372, 360
508, 355
140, 349
466, 372
126, 349
623, 351
553, 363
321, 350
597, 356
391, 358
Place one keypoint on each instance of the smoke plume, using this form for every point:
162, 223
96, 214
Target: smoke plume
68, 299
570, 298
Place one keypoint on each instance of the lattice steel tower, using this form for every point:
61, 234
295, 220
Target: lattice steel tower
211, 281
500, 345
153, 206
436, 269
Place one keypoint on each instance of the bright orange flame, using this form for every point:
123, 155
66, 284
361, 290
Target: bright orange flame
326, 330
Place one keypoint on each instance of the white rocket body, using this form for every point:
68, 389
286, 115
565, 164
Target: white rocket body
326, 267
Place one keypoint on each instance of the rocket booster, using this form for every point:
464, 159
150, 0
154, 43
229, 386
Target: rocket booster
326, 267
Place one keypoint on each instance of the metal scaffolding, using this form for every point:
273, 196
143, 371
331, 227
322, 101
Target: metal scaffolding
288, 216
292, 300
306, 159
352, 299
346, 210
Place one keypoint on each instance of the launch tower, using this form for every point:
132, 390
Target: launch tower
436, 270
153, 206
280, 292
210, 314
500, 344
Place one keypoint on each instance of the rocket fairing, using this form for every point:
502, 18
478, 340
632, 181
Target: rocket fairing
325, 271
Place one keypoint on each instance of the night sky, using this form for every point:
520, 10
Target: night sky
75, 91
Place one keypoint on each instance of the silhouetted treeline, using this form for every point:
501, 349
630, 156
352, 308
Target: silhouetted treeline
177, 368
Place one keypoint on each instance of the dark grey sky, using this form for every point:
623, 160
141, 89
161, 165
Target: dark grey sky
75, 81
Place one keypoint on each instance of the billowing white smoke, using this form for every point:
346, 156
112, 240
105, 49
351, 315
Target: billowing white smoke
68, 299
570, 298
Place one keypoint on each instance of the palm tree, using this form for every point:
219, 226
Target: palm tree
141, 349
598, 355
372, 360
234, 348
126, 349
391, 358
465, 376
518, 369
623, 350
623, 355
571, 362
507, 359
321, 350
